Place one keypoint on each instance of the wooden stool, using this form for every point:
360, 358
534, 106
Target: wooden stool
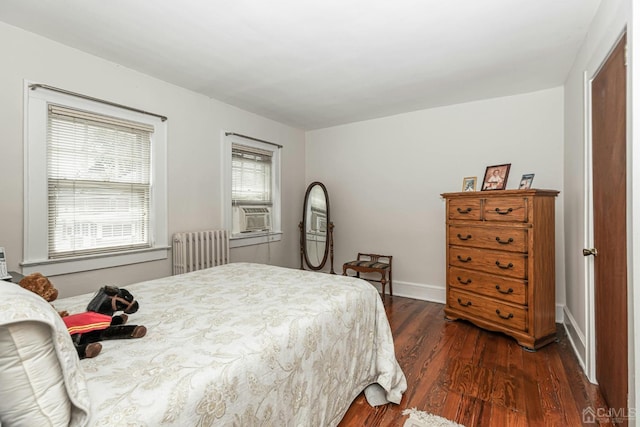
370, 263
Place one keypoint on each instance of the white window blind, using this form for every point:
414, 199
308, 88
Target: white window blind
98, 178
251, 175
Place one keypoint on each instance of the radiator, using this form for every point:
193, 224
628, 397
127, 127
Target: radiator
199, 249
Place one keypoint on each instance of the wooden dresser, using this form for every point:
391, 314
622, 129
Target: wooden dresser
501, 262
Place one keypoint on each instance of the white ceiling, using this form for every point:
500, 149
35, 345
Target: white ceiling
318, 63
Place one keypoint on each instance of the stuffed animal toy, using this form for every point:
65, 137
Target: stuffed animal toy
99, 322
40, 285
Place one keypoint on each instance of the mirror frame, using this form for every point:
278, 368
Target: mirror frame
328, 249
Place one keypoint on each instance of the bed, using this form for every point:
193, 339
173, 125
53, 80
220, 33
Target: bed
240, 344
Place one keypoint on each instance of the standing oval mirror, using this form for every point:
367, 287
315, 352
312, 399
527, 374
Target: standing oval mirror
316, 229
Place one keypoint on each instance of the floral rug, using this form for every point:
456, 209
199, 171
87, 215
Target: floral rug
425, 419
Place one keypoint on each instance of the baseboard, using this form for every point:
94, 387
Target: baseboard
417, 291
559, 313
576, 338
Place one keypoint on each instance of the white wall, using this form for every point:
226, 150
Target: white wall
385, 176
609, 23
195, 127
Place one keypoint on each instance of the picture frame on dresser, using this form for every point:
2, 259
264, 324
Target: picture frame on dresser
495, 177
526, 181
469, 183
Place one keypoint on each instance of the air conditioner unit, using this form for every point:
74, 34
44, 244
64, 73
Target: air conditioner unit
254, 218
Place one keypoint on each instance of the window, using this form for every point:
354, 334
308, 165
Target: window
98, 179
251, 170
252, 176
96, 185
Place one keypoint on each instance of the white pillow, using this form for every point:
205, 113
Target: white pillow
32, 391
41, 382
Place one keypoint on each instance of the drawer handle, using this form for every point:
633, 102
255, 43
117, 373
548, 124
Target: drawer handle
465, 260
466, 282
507, 212
464, 238
507, 292
501, 316
464, 211
463, 304
504, 242
504, 267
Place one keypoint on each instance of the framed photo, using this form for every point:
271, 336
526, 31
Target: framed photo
525, 181
495, 177
469, 183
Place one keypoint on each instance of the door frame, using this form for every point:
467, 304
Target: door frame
588, 232
633, 298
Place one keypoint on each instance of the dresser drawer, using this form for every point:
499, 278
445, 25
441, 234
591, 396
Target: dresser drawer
497, 287
508, 264
488, 309
465, 209
509, 209
507, 239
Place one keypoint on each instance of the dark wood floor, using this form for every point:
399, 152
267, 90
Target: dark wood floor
479, 378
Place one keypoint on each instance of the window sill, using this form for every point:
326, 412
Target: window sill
240, 240
93, 262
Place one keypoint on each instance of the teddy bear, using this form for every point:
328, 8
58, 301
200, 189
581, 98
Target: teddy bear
39, 284
98, 322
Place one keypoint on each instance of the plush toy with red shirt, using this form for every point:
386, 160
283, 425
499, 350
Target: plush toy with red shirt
98, 323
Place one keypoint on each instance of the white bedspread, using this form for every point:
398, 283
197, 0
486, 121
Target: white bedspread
244, 345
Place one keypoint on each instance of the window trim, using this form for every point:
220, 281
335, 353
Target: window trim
35, 253
256, 237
